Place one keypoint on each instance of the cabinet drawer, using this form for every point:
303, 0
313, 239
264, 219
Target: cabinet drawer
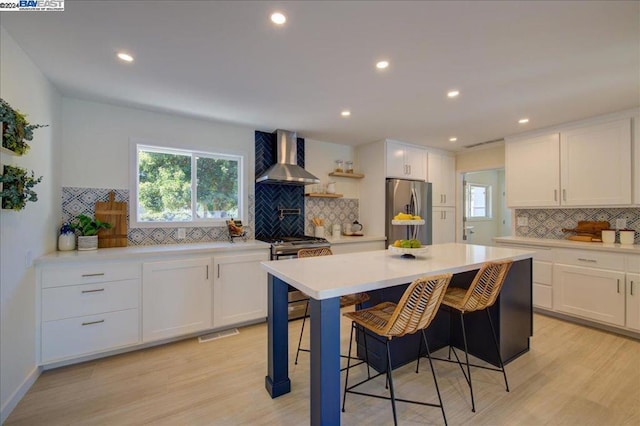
590, 259
78, 336
89, 299
542, 272
93, 273
633, 264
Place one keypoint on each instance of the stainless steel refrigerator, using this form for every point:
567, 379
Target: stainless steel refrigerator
408, 196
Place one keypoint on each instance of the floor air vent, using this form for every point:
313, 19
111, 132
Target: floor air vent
219, 335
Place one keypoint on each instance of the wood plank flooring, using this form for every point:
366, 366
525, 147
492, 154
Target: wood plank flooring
573, 375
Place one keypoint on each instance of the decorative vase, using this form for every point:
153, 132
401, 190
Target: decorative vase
87, 242
67, 242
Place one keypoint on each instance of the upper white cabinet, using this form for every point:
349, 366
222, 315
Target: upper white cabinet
636, 168
581, 166
603, 147
176, 297
442, 175
406, 161
532, 171
239, 288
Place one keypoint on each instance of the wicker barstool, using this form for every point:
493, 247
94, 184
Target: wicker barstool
348, 300
481, 294
386, 321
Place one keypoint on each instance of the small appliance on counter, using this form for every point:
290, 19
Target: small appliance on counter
353, 229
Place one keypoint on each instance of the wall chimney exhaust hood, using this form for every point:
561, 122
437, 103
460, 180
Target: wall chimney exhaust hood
286, 170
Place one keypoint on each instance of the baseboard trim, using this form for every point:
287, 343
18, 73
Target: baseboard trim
19, 393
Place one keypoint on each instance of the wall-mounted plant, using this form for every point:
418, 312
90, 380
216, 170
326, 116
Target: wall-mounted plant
17, 187
16, 130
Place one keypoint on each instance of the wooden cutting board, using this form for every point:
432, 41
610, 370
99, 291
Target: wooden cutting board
114, 213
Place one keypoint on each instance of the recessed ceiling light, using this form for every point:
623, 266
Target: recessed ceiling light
345, 113
125, 57
523, 121
382, 65
453, 139
278, 18
453, 93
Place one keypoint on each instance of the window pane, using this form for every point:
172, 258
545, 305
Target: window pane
217, 189
164, 192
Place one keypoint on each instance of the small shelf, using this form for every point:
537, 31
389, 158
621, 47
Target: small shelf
407, 222
347, 175
8, 151
318, 195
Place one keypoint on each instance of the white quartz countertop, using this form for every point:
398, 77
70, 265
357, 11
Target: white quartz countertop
582, 245
138, 252
325, 277
344, 239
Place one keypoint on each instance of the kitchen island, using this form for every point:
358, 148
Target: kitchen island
327, 278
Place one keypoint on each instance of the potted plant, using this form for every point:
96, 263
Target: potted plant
16, 129
17, 187
88, 228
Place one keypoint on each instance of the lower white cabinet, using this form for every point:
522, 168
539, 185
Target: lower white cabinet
176, 297
239, 288
596, 294
443, 225
633, 301
88, 309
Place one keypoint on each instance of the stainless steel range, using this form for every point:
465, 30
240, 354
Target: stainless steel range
287, 248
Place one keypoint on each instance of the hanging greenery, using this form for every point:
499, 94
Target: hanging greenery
16, 130
17, 187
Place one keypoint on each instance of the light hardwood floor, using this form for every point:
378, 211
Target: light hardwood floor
573, 375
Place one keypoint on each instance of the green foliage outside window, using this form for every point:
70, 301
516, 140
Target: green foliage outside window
165, 186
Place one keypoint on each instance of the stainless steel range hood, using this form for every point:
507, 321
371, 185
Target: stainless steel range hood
286, 170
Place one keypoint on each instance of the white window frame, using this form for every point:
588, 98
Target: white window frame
488, 199
148, 145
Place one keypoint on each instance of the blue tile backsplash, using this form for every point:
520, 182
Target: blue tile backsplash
548, 223
77, 201
270, 198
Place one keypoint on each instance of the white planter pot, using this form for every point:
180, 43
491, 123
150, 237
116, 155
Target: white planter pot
88, 243
67, 242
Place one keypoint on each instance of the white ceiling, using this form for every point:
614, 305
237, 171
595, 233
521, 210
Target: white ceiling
550, 61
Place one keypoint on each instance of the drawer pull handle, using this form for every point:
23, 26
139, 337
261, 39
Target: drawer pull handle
92, 322
555, 195
631, 288
93, 291
618, 285
93, 275
587, 260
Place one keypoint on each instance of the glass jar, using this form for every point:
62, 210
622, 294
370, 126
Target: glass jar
339, 166
349, 167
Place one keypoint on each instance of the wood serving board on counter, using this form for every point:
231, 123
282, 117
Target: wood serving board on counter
115, 213
587, 231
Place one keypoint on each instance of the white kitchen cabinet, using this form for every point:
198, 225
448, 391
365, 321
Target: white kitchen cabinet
342, 247
605, 147
532, 171
557, 169
176, 297
239, 288
405, 161
636, 162
443, 225
633, 301
88, 309
441, 171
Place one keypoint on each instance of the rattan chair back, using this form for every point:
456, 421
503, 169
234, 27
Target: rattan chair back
313, 252
418, 305
486, 286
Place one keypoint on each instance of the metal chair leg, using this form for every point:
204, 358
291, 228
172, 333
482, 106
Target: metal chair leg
419, 350
346, 379
433, 372
495, 341
390, 378
466, 354
304, 320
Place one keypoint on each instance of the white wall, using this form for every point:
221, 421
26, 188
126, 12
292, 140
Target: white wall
320, 160
101, 132
31, 232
